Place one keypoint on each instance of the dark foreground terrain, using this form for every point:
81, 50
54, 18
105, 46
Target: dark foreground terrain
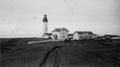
84, 53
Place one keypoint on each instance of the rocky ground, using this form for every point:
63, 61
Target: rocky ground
88, 53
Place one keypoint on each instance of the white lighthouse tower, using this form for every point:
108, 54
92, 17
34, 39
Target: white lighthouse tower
45, 24
45, 28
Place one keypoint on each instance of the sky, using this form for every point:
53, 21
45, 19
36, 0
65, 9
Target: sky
23, 18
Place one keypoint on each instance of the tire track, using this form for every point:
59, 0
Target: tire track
46, 56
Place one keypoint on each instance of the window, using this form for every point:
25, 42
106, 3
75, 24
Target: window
62, 33
63, 36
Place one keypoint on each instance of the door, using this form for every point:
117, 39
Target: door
55, 37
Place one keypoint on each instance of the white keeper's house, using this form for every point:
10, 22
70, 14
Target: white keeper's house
79, 35
60, 34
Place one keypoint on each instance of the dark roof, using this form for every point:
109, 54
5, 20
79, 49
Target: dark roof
60, 29
47, 33
111, 35
81, 32
70, 34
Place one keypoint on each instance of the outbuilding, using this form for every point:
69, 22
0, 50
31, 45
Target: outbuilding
79, 35
47, 35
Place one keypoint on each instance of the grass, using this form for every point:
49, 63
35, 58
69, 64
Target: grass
12, 44
84, 53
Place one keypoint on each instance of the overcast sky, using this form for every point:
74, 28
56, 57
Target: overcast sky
24, 17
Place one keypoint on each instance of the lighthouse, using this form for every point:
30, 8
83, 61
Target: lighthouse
45, 28
45, 24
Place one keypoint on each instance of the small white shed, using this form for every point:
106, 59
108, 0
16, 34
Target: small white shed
79, 35
47, 35
60, 34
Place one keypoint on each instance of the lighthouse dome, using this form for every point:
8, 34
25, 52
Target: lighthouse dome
45, 18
